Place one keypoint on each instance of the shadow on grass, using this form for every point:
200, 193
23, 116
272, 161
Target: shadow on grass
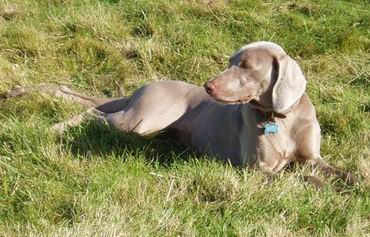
96, 139
99, 140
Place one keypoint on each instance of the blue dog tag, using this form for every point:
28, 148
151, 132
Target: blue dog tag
271, 128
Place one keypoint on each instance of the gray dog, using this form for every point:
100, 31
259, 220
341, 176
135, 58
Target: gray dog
254, 113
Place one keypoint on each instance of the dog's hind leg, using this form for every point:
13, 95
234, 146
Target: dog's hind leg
76, 120
150, 109
99, 112
98, 108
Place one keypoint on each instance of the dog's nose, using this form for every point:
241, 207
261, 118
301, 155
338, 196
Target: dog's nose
210, 87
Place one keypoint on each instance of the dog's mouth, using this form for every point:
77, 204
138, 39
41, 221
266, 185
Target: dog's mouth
239, 101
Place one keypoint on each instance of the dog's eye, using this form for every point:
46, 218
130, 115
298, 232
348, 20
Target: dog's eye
244, 64
242, 80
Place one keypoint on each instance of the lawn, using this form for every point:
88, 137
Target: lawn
95, 181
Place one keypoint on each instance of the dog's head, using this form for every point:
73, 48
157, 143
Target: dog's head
260, 72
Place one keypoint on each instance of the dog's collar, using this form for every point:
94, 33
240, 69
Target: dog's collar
271, 115
270, 126
267, 113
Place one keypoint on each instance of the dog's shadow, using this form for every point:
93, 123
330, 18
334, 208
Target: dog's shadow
94, 139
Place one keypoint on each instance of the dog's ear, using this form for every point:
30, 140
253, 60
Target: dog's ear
234, 59
289, 86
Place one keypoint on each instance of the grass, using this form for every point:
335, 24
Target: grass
94, 181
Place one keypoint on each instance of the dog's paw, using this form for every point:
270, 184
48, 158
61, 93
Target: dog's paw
350, 179
59, 128
314, 180
14, 92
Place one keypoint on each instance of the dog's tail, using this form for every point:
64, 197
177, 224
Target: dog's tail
106, 105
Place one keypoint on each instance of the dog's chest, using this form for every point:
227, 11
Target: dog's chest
276, 149
271, 150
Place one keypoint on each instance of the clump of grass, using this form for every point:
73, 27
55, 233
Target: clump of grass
9, 11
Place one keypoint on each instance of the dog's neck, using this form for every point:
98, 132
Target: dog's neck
268, 111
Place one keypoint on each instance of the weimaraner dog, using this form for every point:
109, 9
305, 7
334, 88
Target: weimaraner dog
254, 113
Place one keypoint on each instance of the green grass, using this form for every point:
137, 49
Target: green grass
94, 181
